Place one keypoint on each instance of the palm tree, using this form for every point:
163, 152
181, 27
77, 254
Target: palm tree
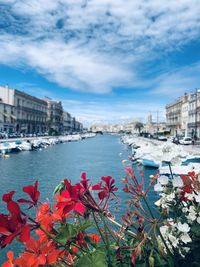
139, 126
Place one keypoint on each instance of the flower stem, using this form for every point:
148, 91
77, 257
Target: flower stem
163, 240
170, 168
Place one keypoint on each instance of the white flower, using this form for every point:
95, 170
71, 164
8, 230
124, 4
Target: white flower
184, 203
177, 182
158, 187
186, 249
192, 216
163, 180
185, 238
158, 203
197, 198
170, 197
183, 227
171, 153
164, 229
189, 196
173, 240
170, 221
192, 209
198, 220
184, 210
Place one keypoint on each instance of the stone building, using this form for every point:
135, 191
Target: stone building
194, 114
30, 111
173, 116
185, 114
54, 116
7, 118
67, 122
198, 115
78, 126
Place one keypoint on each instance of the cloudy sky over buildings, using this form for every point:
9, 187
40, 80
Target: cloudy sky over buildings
108, 60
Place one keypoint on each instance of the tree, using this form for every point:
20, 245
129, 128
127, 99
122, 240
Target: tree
139, 126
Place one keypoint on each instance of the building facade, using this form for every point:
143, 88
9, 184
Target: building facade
173, 116
183, 115
78, 127
194, 114
30, 112
67, 122
54, 116
7, 118
198, 115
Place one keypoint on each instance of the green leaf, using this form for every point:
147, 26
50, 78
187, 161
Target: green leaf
94, 259
85, 225
66, 232
195, 230
59, 188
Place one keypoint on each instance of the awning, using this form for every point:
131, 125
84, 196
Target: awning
13, 117
6, 115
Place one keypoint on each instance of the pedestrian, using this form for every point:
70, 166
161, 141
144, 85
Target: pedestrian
193, 141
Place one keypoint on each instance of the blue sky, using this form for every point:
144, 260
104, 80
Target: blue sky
109, 61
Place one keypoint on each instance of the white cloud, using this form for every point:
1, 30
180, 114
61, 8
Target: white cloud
93, 45
92, 112
178, 81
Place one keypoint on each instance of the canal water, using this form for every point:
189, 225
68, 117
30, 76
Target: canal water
98, 156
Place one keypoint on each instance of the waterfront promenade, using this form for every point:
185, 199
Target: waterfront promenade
30, 138
189, 148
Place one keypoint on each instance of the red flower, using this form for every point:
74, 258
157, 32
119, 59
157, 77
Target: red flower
130, 173
34, 194
84, 181
69, 200
95, 238
38, 254
107, 189
80, 239
8, 197
12, 225
10, 262
190, 184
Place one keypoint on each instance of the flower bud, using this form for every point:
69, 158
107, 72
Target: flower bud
151, 261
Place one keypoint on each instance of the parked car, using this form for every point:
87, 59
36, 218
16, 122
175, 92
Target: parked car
186, 141
162, 138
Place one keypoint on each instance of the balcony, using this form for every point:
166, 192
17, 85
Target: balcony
192, 112
174, 113
191, 125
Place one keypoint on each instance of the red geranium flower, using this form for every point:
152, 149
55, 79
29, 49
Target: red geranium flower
84, 181
107, 189
95, 238
13, 225
38, 254
34, 194
10, 262
69, 200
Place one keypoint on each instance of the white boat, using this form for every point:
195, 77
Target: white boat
25, 146
177, 170
8, 147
